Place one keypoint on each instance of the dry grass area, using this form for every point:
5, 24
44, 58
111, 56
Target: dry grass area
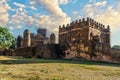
17, 68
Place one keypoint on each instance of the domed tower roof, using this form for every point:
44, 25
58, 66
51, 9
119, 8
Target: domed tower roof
26, 34
26, 31
19, 41
52, 35
19, 37
52, 38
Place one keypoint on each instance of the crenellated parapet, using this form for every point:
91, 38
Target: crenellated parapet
84, 22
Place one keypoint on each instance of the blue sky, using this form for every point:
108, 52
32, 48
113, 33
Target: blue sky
18, 15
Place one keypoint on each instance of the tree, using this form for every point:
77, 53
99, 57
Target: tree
13, 46
6, 39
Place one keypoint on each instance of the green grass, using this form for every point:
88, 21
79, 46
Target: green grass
18, 68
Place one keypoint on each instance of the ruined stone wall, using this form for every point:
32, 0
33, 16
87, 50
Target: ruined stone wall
40, 51
25, 52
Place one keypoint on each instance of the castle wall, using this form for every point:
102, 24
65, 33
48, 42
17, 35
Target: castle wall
40, 51
115, 53
25, 52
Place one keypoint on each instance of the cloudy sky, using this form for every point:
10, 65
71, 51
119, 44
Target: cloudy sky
18, 15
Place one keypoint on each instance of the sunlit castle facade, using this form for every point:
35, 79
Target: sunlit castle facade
30, 39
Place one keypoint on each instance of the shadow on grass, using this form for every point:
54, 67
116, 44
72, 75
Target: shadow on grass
20, 60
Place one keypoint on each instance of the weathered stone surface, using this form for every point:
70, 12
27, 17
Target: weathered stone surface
40, 51
86, 36
86, 39
30, 39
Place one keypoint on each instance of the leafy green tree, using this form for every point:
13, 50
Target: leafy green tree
6, 39
13, 46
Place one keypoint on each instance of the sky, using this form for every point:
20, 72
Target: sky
18, 15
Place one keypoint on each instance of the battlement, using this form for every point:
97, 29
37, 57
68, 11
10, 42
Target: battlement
84, 21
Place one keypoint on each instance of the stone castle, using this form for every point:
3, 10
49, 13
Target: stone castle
30, 39
85, 36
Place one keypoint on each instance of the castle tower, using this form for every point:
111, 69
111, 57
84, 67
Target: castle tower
19, 41
52, 38
27, 40
42, 32
108, 35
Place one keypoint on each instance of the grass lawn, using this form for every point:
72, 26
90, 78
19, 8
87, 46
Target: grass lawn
18, 68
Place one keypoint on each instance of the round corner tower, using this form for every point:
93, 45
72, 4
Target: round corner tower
27, 40
19, 41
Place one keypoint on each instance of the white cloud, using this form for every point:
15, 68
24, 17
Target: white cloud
52, 7
30, 22
11, 28
4, 7
52, 21
32, 2
4, 19
102, 4
63, 1
67, 1
19, 5
91, 9
75, 12
33, 8
111, 17
19, 27
19, 18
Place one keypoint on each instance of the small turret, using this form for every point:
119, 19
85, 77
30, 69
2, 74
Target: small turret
88, 19
108, 28
79, 20
76, 21
52, 38
83, 19
67, 25
63, 26
92, 20
19, 41
59, 26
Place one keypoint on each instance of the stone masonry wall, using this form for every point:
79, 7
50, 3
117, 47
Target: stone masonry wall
115, 53
40, 51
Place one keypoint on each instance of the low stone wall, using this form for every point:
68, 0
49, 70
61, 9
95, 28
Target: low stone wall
25, 52
115, 53
1, 51
8, 52
40, 51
